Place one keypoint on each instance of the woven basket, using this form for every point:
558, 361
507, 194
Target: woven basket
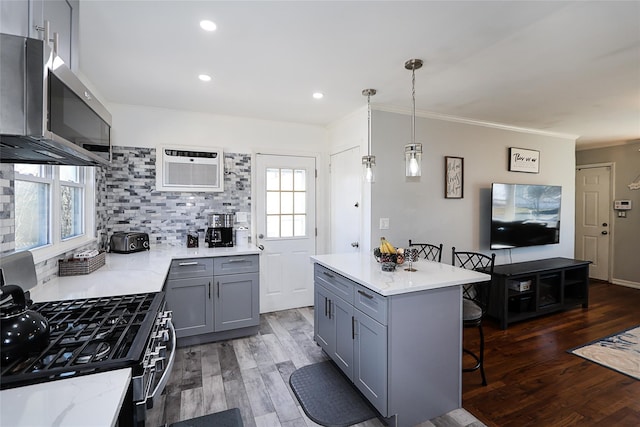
75, 267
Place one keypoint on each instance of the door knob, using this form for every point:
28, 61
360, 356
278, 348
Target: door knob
260, 236
605, 232
355, 245
604, 224
357, 204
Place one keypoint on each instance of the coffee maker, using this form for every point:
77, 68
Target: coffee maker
220, 231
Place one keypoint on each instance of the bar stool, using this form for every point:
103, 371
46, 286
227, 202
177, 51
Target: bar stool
475, 300
428, 251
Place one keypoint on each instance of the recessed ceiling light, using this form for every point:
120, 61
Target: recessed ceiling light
318, 95
205, 77
208, 25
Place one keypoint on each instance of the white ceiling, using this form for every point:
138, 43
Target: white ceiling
564, 67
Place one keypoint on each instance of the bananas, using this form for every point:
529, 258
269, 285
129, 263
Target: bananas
386, 247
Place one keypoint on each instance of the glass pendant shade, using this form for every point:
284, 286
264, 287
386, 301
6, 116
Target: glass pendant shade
413, 159
413, 151
368, 162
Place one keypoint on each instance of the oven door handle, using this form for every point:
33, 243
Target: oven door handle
167, 370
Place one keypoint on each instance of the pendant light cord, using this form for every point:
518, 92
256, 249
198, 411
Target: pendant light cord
413, 97
369, 124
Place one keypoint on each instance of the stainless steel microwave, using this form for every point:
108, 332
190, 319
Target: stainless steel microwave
47, 115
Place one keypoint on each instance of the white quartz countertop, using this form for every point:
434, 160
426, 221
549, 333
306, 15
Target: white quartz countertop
87, 401
124, 274
95, 400
365, 270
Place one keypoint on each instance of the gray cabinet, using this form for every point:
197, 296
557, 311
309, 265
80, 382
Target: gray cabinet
27, 17
402, 352
189, 296
14, 18
236, 303
354, 340
334, 327
210, 297
370, 358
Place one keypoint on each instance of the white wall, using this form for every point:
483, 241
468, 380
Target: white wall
139, 126
417, 208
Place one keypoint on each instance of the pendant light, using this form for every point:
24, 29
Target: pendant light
413, 151
368, 161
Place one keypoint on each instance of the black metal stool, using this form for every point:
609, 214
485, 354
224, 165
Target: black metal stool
475, 300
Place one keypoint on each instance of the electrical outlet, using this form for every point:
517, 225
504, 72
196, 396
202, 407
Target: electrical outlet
241, 217
384, 223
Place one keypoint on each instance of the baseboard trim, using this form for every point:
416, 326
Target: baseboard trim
217, 336
626, 283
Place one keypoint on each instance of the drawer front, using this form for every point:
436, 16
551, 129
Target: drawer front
370, 303
236, 264
190, 267
334, 282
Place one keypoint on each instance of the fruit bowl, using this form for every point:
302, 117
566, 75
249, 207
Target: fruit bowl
388, 266
380, 257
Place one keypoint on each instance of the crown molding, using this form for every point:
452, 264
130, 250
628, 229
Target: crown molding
603, 144
474, 122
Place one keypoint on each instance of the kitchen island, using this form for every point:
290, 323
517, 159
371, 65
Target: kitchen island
95, 399
396, 335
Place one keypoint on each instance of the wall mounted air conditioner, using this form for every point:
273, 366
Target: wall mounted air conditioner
190, 169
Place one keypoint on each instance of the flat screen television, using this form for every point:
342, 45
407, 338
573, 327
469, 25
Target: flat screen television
524, 215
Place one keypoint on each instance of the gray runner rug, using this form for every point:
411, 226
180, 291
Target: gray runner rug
328, 398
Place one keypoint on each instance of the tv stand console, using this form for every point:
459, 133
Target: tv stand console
524, 290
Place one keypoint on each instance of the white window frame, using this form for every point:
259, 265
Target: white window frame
57, 245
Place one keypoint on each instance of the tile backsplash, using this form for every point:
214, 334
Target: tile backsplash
132, 204
126, 200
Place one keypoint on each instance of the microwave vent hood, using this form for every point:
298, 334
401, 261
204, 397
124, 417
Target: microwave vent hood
47, 115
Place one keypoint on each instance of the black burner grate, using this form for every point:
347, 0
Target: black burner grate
87, 336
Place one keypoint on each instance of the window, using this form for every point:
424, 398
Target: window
54, 207
286, 202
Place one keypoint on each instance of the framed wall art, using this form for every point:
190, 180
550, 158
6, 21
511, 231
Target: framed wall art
523, 160
453, 177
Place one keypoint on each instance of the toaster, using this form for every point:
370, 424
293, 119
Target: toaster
127, 242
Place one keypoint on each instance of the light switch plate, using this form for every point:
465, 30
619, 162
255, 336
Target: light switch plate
241, 217
384, 223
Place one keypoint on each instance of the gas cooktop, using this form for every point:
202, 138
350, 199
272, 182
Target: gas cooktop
87, 336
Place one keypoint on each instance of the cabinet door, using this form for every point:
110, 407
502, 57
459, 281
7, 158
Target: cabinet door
192, 305
14, 18
236, 301
333, 329
324, 327
342, 312
370, 360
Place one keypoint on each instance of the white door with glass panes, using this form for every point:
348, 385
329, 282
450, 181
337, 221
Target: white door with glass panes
285, 230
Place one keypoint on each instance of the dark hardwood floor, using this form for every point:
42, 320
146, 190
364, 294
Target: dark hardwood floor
533, 381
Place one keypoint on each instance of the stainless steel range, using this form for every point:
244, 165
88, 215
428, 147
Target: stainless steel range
99, 334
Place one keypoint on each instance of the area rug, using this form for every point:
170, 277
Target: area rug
327, 397
620, 352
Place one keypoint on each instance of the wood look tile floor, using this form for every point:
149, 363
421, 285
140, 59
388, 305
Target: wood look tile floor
252, 374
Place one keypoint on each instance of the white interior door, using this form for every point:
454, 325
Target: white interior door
593, 200
346, 189
286, 230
